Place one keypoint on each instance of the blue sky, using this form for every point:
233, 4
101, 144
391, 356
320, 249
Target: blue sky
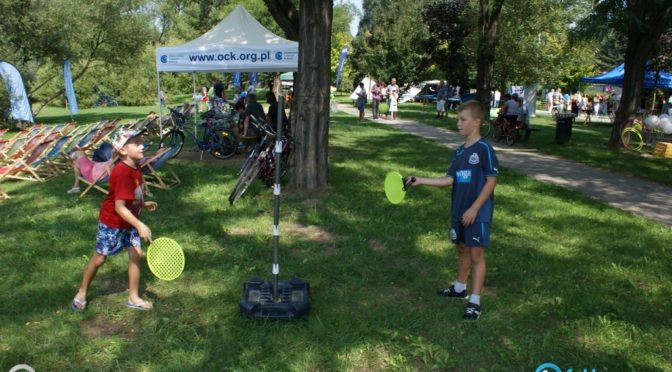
355, 20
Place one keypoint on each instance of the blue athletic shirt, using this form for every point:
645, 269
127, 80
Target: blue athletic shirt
469, 168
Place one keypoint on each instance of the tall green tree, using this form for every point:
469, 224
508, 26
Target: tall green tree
643, 22
42, 34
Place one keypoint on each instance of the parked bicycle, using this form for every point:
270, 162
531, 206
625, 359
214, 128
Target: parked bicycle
504, 129
260, 162
219, 143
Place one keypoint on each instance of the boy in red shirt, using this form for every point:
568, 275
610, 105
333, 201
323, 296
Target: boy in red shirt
118, 223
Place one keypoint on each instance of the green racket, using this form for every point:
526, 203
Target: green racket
395, 187
165, 258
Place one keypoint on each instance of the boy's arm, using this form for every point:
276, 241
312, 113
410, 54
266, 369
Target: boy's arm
469, 215
438, 182
123, 212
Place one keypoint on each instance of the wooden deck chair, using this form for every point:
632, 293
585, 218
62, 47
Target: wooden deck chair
104, 132
101, 181
3, 131
50, 160
151, 165
21, 149
28, 168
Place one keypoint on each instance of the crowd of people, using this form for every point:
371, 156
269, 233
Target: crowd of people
380, 92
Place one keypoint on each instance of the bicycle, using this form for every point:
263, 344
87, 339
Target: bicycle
260, 162
503, 128
221, 144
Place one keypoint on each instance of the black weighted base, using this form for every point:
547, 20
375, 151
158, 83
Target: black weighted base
258, 299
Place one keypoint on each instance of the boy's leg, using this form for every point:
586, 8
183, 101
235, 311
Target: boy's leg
464, 263
90, 271
134, 298
478, 268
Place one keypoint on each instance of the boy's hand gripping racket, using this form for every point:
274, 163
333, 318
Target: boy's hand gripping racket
396, 185
165, 258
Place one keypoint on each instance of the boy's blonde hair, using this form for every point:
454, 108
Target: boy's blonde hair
474, 108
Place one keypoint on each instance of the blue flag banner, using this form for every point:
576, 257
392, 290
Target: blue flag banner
236, 79
341, 62
18, 99
253, 78
70, 89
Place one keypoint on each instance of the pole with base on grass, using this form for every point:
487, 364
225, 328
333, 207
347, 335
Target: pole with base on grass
274, 299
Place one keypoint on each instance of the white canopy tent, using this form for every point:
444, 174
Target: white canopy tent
239, 43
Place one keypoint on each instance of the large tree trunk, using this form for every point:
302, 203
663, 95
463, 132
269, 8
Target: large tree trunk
488, 20
310, 105
311, 97
644, 31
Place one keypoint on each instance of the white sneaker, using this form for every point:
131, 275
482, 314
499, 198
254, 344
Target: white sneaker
74, 190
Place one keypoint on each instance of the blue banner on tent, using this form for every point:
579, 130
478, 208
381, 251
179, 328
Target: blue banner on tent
236, 79
70, 89
253, 78
18, 99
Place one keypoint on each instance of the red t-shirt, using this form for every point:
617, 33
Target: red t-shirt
127, 184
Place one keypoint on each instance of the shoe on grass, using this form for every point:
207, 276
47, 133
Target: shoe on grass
450, 292
472, 311
74, 190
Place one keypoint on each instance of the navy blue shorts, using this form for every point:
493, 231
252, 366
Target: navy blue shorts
112, 240
474, 235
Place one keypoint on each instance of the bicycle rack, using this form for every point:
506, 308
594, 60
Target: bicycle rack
273, 299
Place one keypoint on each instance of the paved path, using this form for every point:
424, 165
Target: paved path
648, 199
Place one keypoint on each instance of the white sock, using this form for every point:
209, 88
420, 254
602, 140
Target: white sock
475, 299
459, 287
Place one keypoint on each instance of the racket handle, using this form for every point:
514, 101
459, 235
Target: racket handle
409, 181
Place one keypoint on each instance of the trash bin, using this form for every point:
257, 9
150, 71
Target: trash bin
563, 128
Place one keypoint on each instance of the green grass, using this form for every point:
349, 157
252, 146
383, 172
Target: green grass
570, 280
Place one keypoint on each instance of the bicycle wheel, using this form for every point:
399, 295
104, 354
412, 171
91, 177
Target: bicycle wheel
171, 138
511, 137
222, 145
632, 139
244, 181
486, 129
498, 132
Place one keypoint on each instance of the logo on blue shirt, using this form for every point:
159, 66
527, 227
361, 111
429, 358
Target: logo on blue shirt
463, 176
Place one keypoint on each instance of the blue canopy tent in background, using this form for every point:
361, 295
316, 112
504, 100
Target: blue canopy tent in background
660, 80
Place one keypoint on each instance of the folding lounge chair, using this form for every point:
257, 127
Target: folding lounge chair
154, 163
100, 182
26, 168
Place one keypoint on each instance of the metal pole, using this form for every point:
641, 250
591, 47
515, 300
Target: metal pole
158, 95
276, 193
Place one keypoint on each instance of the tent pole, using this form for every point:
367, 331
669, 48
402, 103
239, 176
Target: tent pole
158, 96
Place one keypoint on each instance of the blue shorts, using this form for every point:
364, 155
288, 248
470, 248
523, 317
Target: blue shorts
474, 235
112, 240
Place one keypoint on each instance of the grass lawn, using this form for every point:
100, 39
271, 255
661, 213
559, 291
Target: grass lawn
570, 280
588, 145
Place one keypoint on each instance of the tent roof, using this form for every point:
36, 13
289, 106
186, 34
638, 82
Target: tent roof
237, 43
615, 77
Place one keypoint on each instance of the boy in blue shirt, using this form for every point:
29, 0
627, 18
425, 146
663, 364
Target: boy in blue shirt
473, 175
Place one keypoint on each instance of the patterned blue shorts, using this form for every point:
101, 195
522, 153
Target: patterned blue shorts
112, 240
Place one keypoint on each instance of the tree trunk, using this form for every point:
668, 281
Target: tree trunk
644, 31
311, 97
488, 20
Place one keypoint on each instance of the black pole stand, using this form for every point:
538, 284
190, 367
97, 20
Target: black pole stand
276, 299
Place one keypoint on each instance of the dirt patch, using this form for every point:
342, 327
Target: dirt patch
377, 245
100, 327
312, 233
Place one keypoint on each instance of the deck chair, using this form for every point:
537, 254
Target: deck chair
27, 168
151, 165
99, 183
21, 148
50, 160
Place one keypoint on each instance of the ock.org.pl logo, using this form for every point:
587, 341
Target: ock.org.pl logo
164, 59
552, 367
